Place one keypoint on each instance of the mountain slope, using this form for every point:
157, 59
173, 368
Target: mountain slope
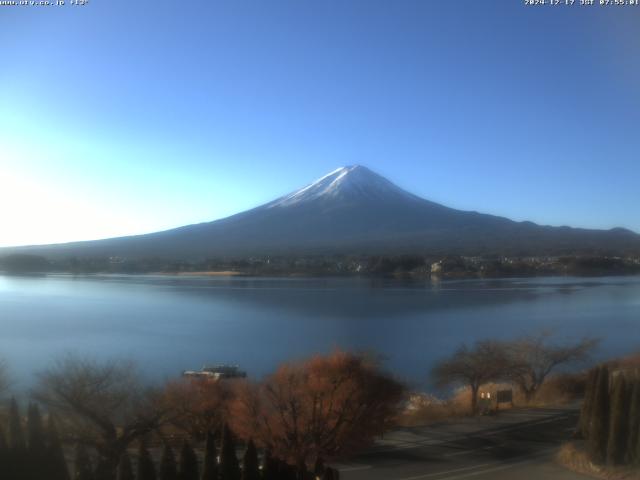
353, 210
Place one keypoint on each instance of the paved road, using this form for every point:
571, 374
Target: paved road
515, 444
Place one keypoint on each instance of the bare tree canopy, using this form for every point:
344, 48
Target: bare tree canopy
325, 407
534, 357
197, 406
486, 361
101, 405
526, 362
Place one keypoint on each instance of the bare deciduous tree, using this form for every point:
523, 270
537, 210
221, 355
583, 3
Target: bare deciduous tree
325, 407
534, 357
196, 406
101, 405
486, 361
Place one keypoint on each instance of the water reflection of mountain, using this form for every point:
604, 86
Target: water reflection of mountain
170, 323
362, 297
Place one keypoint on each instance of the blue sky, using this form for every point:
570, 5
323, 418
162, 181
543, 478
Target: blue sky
124, 117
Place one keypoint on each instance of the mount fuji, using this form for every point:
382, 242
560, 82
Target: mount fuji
352, 210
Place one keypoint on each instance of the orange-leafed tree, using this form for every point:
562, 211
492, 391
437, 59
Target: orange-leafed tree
197, 406
325, 407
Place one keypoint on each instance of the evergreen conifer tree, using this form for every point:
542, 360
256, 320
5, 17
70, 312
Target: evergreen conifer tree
188, 463
16, 434
146, 468
637, 451
587, 403
229, 466
105, 470
210, 467
3, 441
331, 474
599, 425
17, 458
250, 466
56, 463
318, 467
168, 465
618, 424
283, 470
37, 447
125, 469
290, 472
633, 442
37, 443
269, 466
301, 472
82, 464
4, 454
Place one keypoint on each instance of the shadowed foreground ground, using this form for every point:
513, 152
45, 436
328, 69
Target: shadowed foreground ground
515, 444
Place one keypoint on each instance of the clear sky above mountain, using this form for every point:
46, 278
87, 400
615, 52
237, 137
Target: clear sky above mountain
124, 117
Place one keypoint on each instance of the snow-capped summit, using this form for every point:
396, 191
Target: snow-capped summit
345, 183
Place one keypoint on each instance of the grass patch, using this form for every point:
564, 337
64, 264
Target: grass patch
425, 409
573, 457
558, 390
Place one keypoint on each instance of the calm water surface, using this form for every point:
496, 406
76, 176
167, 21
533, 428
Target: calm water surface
168, 324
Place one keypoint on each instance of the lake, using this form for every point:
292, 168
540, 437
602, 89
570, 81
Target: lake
171, 323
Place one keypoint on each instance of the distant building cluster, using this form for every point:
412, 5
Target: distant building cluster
461, 266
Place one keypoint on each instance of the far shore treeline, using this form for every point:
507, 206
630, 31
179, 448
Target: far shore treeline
409, 265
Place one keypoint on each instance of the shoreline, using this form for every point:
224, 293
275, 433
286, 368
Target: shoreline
398, 277
206, 273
